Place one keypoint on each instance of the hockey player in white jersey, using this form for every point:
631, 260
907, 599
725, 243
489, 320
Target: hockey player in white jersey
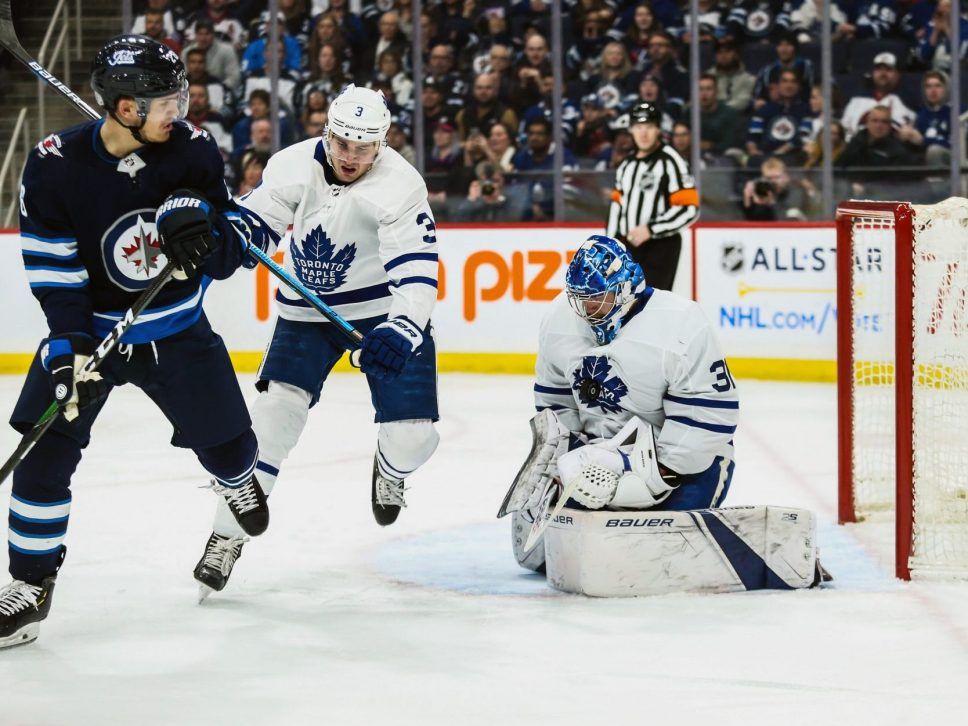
363, 240
636, 405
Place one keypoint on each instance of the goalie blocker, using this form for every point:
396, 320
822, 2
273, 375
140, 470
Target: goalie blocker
623, 554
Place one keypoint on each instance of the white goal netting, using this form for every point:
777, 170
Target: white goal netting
939, 408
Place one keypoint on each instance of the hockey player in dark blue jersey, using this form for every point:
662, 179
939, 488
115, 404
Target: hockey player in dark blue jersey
103, 207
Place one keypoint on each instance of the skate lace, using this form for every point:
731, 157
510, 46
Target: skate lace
242, 499
222, 553
18, 596
389, 492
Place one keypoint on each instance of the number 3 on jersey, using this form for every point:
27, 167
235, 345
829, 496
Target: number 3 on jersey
724, 380
427, 223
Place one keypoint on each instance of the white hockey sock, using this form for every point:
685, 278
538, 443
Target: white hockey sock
403, 446
278, 418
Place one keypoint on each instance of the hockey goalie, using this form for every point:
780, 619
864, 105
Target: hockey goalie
633, 450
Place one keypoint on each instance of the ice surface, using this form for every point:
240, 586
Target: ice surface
331, 620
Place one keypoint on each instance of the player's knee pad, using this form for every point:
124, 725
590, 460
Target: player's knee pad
404, 446
278, 418
233, 462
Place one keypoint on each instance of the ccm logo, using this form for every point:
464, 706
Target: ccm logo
178, 203
639, 523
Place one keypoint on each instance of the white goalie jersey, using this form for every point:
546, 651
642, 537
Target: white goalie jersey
368, 248
664, 366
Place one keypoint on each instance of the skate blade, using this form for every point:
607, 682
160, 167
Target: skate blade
203, 592
27, 634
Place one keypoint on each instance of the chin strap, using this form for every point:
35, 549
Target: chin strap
135, 130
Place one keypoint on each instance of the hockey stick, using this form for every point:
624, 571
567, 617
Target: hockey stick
9, 40
105, 347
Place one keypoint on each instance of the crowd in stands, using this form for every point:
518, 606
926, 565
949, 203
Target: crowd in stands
488, 88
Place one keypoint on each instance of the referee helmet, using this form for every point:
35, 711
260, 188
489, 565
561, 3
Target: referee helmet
645, 113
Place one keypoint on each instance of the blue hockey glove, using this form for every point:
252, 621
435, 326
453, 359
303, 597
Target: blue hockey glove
186, 225
387, 348
63, 357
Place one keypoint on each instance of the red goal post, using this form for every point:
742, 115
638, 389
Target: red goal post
902, 358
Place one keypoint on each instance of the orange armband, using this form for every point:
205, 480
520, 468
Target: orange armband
684, 198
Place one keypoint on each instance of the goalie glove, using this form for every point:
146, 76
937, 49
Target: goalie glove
549, 438
614, 473
64, 357
387, 348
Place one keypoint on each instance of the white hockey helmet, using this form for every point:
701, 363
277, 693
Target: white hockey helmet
359, 114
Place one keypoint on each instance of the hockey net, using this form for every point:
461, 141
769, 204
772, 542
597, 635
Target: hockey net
903, 377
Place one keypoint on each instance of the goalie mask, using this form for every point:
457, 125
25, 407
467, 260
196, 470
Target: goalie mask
356, 131
602, 283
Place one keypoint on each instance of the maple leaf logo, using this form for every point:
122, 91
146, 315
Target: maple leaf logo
143, 252
320, 266
595, 387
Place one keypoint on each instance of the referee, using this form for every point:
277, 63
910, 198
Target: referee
654, 199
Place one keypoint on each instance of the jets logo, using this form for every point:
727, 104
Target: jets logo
122, 58
131, 250
319, 264
50, 146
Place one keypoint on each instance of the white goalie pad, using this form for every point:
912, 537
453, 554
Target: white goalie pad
623, 554
548, 435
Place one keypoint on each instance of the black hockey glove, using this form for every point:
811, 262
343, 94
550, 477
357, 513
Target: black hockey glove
64, 356
186, 224
387, 348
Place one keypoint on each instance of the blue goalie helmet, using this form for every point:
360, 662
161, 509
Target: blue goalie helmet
602, 284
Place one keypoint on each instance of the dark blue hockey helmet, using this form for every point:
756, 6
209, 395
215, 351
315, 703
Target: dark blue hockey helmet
138, 67
602, 283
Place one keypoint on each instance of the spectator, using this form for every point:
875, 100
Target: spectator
778, 128
721, 125
876, 145
294, 22
484, 109
768, 78
260, 142
538, 156
168, 18
313, 101
486, 201
220, 58
622, 145
914, 23
200, 114
650, 91
326, 73
440, 67
225, 24
664, 66
682, 139
757, 20
154, 27
775, 196
327, 30
397, 140
253, 164
570, 113
734, 85
258, 109
712, 19
455, 21
220, 97
493, 31
255, 59
433, 110
500, 146
875, 19
255, 71
583, 58
391, 66
499, 63
935, 48
527, 14
644, 24
443, 163
815, 150
592, 133
525, 88
354, 33
884, 82
313, 124
405, 8
390, 39
933, 124
615, 78
806, 20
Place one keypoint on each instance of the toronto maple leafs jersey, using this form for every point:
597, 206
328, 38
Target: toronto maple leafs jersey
88, 235
664, 366
367, 248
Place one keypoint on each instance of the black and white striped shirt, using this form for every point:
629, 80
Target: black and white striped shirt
656, 190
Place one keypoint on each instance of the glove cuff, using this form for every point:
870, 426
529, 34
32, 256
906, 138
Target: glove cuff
407, 329
69, 344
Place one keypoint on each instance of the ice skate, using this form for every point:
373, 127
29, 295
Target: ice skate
215, 567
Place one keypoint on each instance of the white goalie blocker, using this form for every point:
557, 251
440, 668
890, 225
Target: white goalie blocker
635, 548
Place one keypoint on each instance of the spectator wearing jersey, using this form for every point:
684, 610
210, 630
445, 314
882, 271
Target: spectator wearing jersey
258, 109
390, 39
255, 70
353, 30
622, 145
526, 76
778, 128
757, 20
787, 58
877, 145
885, 79
663, 65
935, 47
615, 78
933, 124
712, 21
154, 28
650, 91
225, 24
455, 21
570, 113
294, 21
326, 73
484, 109
390, 65
876, 19
734, 85
327, 30
220, 97
221, 59
169, 19
201, 114
592, 134
806, 19
643, 25
440, 67
539, 156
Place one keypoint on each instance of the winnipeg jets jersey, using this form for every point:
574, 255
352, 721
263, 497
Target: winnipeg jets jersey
664, 366
88, 235
368, 248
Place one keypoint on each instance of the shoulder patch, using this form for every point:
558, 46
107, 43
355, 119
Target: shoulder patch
50, 146
197, 132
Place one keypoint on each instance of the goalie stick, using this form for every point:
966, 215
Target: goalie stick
9, 40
